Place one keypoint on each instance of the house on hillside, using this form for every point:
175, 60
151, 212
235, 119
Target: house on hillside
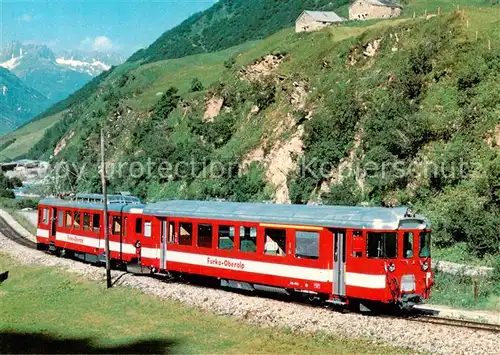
370, 9
310, 21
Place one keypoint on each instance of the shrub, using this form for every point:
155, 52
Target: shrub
6, 186
230, 63
167, 103
16, 182
327, 138
461, 215
264, 93
196, 85
347, 193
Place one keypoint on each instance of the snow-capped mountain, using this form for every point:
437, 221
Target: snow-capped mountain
92, 63
56, 77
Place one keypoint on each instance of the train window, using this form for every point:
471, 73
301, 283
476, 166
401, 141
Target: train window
60, 218
147, 229
358, 244
248, 239
424, 249
226, 237
171, 232
138, 226
45, 217
307, 245
275, 242
116, 225
96, 223
76, 221
381, 245
86, 221
408, 245
69, 219
205, 235
125, 226
185, 234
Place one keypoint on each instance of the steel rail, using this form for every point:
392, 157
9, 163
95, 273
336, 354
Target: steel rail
454, 322
12, 234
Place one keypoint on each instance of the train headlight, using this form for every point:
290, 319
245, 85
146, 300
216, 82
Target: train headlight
392, 267
425, 266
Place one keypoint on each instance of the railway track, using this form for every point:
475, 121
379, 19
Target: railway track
460, 323
11, 234
421, 317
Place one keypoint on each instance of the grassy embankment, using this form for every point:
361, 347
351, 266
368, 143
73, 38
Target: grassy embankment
21, 140
44, 309
458, 291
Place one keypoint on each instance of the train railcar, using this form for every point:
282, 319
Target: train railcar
75, 226
338, 253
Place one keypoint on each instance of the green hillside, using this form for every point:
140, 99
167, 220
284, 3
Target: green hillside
283, 14
19, 142
407, 110
18, 102
229, 23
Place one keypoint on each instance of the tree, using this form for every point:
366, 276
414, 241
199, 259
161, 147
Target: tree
167, 103
6, 187
196, 85
230, 63
16, 182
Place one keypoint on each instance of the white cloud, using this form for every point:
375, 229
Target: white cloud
99, 43
26, 18
103, 44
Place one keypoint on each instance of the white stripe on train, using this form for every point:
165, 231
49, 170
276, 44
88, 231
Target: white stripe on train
257, 267
42, 233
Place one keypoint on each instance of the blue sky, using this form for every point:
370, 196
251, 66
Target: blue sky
110, 26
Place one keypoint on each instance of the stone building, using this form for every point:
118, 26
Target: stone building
371, 9
310, 21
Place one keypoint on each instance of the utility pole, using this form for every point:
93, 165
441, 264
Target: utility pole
105, 211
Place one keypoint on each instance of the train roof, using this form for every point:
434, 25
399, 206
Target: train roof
113, 206
312, 215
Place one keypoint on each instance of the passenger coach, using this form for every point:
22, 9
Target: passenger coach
337, 253
75, 226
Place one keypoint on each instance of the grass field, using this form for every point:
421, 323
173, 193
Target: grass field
25, 137
47, 310
458, 292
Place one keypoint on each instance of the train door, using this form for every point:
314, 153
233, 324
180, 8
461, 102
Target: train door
169, 228
163, 243
53, 224
339, 255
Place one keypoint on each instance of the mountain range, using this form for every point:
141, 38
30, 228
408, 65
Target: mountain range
91, 63
33, 77
54, 75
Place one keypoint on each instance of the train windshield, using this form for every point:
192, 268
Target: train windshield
382, 245
424, 244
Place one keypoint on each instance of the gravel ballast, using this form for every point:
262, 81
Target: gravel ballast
268, 312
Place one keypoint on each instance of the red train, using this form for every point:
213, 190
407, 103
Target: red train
338, 254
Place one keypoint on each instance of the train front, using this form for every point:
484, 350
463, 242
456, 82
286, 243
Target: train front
409, 276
